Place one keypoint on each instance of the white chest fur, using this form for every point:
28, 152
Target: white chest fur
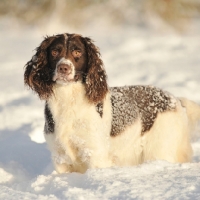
80, 132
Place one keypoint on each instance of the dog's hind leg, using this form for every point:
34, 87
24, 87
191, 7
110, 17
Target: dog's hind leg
169, 138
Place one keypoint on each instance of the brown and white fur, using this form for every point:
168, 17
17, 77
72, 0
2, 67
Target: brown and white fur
89, 125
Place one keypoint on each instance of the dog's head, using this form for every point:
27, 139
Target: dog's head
63, 59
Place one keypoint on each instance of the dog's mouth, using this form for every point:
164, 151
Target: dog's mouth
61, 79
58, 77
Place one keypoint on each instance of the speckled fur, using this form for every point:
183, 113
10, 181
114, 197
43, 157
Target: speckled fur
133, 102
49, 126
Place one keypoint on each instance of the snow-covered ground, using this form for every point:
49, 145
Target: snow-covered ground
131, 55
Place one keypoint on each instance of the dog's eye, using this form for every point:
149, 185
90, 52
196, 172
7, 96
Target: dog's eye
54, 52
76, 53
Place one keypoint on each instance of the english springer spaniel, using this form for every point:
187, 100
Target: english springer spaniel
91, 125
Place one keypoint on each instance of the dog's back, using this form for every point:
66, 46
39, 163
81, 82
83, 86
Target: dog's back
169, 137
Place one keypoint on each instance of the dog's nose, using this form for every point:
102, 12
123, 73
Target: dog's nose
64, 69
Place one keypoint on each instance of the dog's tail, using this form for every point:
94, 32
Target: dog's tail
193, 113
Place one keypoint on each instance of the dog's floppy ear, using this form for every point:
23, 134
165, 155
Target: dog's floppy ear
96, 79
37, 73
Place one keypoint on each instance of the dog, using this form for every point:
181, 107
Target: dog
91, 125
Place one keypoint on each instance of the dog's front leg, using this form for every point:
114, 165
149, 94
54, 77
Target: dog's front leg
92, 152
62, 167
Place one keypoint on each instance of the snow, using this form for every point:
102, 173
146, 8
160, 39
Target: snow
132, 56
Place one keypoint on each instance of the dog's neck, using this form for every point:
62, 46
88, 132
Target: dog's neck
68, 93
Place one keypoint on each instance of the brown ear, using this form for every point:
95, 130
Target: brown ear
37, 74
96, 79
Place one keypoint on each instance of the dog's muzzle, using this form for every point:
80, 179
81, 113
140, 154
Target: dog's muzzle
64, 71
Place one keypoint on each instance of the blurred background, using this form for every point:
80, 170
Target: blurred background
147, 42
83, 13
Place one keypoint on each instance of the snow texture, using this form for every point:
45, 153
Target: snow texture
132, 102
132, 56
